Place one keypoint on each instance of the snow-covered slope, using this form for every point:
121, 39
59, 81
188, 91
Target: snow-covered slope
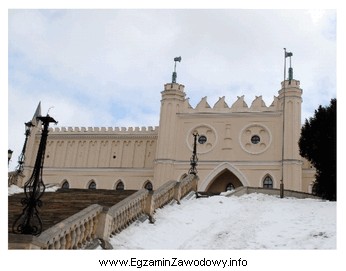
253, 221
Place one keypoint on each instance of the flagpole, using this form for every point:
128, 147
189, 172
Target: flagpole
283, 130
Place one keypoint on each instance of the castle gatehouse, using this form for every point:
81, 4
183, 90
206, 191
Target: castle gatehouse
243, 145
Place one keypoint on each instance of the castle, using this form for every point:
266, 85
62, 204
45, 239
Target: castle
254, 145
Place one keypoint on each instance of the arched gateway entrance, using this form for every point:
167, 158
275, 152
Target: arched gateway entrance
225, 181
224, 177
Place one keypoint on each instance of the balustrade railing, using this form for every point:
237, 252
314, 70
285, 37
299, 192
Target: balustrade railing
74, 232
96, 221
188, 184
127, 211
164, 194
15, 177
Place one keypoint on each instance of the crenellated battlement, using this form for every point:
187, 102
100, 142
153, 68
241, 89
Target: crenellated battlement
257, 105
109, 130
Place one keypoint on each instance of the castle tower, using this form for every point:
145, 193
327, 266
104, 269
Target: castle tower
290, 98
172, 102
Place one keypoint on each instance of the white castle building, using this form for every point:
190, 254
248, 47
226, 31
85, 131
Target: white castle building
254, 145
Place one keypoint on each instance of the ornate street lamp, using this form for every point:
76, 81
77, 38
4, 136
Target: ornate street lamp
9, 156
29, 221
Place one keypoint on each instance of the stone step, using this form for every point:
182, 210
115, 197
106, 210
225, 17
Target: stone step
63, 203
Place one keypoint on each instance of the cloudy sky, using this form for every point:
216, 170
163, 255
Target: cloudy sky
108, 67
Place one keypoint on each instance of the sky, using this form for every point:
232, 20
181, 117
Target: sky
107, 67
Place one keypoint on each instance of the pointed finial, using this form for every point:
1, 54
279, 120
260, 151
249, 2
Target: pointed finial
38, 111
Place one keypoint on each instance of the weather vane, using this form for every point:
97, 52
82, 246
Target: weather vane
174, 75
290, 69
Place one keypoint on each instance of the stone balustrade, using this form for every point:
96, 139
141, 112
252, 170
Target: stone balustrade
172, 190
98, 222
164, 194
74, 232
15, 177
12, 178
121, 215
188, 184
243, 190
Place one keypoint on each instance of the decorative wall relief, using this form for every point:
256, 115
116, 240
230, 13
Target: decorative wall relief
207, 131
227, 141
255, 138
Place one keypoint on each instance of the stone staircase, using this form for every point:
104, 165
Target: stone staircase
63, 203
75, 218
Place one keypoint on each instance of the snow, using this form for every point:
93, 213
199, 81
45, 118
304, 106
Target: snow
14, 189
253, 221
266, 231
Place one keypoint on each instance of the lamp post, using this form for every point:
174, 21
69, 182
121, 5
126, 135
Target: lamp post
29, 221
21, 157
194, 159
9, 156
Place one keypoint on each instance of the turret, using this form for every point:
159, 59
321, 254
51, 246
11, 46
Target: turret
291, 94
290, 99
172, 103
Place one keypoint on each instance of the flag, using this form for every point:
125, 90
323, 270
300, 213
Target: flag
288, 54
177, 58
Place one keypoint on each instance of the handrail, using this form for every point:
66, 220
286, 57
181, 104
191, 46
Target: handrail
125, 212
188, 184
73, 232
164, 194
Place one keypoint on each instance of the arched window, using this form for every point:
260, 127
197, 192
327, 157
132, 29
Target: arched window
120, 186
65, 185
267, 182
229, 187
92, 185
149, 186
